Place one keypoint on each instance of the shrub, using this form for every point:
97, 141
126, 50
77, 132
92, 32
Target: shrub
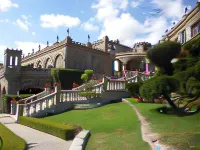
193, 46
192, 83
62, 131
162, 54
134, 87
66, 77
158, 86
84, 77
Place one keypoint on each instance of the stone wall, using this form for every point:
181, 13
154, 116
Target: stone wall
87, 58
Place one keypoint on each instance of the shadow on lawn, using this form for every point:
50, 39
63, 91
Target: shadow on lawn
178, 112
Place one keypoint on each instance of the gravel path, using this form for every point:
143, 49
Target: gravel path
147, 135
36, 140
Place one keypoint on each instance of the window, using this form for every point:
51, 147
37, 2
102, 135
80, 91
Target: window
182, 36
11, 59
196, 29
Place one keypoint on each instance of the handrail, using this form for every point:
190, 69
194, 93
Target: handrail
33, 96
41, 98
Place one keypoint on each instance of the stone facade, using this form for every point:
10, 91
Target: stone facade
32, 71
182, 31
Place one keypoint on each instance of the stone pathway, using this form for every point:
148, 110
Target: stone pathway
36, 140
147, 135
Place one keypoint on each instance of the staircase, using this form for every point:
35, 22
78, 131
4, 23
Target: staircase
46, 103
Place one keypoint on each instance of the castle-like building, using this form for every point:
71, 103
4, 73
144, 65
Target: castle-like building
31, 71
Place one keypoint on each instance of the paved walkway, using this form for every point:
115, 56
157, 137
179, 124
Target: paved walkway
35, 139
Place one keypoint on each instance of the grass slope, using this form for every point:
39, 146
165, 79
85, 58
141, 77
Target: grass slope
10, 140
113, 127
180, 132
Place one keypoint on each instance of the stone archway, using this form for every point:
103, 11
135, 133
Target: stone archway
39, 64
59, 62
48, 63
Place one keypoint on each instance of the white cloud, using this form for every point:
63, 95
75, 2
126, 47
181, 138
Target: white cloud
33, 33
4, 21
108, 9
170, 8
2, 48
24, 17
55, 21
136, 3
6, 4
121, 25
28, 46
90, 27
82, 12
21, 24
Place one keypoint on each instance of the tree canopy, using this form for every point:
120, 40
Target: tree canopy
162, 54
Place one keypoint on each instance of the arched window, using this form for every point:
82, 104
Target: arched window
16, 61
48, 63
11, 58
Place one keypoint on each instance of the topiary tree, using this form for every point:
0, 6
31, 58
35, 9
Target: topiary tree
84, 77
87, 75
160, 86
162, 54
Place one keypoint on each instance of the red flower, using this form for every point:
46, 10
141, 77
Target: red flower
47, 85
57, 84
75, 85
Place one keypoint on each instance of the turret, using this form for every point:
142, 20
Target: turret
12, 62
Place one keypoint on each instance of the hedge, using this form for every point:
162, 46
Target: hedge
66, 132
66, 77
10, 140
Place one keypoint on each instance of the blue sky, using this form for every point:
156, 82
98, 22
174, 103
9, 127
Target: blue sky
25, 24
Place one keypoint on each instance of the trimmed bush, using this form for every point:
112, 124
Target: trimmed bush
159, 86
10, 140
162, 54
133, 88
66, 77
62, 131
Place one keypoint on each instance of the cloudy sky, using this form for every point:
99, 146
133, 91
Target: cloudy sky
24, 24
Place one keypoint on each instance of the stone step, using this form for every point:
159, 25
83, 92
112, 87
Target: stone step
87, 106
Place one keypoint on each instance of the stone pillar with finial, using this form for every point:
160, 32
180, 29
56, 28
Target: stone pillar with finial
32, 51
39, 47
47, 43
57, 39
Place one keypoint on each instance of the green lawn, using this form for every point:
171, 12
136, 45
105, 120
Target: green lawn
113, 127
10, 140
180, 132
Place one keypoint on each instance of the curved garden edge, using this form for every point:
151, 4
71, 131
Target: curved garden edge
80, 141
147, 135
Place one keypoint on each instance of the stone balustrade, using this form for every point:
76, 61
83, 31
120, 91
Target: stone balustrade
71, 96
34, 97
35, 71
41, 104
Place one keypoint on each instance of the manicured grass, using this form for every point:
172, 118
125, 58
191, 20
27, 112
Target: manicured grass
180, 132
10, 140
113, 127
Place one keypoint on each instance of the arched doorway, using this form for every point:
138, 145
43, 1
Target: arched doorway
136, 64
59, 62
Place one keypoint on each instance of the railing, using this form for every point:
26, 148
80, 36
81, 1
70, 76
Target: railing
71, 96
34, 97
39, 105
